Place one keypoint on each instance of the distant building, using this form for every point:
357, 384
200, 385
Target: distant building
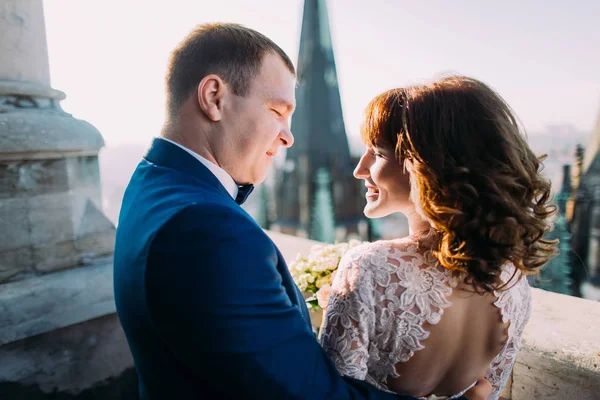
555, 276
583, 215
320, 143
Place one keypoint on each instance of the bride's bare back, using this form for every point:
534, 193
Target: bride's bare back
400, 321
459, 348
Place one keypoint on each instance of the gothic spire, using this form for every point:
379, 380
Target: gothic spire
318, 123
320, 137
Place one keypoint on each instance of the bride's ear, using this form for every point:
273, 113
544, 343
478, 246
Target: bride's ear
408, 166
210, 95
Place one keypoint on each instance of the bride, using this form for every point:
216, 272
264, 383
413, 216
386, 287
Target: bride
430, 314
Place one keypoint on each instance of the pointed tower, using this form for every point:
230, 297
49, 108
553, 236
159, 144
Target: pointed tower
556, 275
585, 223
320, 138
565, 191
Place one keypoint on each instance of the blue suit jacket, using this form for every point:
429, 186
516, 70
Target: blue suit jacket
205, 298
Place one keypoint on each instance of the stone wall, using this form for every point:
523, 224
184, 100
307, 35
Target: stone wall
560, 357
51, 209
61, 339
90, 360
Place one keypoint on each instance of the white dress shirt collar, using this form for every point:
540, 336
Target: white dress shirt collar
222, 175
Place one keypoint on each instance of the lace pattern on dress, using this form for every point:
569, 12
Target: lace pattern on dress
515, 307
382, 296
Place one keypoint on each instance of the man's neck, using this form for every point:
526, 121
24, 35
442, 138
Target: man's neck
222, 175
176, 131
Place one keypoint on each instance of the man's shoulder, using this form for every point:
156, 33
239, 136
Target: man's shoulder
219, 236
215, 222
212, 215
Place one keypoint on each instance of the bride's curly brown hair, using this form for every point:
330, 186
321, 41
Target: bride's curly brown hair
473, 176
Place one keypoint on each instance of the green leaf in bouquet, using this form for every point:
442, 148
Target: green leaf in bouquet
312, 303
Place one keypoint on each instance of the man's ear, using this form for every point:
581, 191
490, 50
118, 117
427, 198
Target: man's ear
211, 91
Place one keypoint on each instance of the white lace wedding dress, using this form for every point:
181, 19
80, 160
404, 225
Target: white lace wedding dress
383, 294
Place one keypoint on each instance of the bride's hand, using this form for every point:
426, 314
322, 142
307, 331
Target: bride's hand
481, 391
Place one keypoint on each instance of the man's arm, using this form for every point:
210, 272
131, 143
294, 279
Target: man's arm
216, 299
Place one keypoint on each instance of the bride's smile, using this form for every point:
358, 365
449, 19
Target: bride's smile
372, 192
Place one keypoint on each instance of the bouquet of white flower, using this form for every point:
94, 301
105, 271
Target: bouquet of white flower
314, 273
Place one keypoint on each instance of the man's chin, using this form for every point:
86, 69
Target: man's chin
258, 179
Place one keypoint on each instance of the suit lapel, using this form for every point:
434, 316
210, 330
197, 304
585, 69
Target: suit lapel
168, 155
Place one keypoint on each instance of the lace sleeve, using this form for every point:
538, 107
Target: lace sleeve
349, 319
515, 306
499, 370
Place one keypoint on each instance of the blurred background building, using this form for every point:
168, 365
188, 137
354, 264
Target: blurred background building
583, 219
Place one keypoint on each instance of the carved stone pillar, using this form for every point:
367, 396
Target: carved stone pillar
59, 335
50, 203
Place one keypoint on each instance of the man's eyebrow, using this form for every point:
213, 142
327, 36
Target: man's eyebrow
282, 102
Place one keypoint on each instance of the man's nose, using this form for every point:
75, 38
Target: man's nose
286, 137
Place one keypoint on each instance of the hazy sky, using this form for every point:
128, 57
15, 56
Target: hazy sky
542, 56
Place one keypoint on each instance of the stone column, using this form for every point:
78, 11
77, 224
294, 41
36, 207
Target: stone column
23, 46
50, 203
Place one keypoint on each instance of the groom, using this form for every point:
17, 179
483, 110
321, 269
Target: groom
205, 298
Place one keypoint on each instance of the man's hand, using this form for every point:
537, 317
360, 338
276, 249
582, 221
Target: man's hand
481, 391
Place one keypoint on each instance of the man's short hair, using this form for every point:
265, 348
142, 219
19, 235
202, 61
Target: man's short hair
231, 51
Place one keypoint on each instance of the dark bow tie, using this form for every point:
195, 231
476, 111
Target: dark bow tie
243, 193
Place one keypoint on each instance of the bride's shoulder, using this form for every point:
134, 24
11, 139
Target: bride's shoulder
367, 252
405, 244
383, 253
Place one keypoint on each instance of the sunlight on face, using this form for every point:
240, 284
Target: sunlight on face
258, 124
387, 182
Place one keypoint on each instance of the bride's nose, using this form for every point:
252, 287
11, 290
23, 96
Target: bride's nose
362, 168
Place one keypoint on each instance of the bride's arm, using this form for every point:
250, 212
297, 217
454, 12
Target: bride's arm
349, 319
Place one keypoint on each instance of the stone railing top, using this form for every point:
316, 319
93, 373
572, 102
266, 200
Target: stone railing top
560, 355
565, 328
48, 302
